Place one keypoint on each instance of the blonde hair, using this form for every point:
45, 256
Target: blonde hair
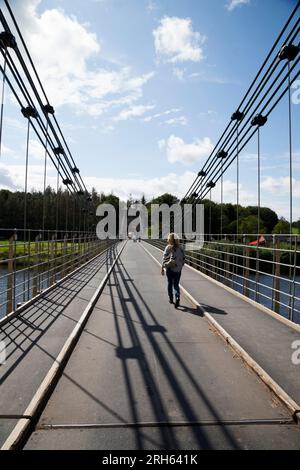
173, 240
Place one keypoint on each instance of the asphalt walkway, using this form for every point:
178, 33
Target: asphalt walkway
146, 376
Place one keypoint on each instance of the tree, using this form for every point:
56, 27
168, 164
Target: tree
248, 225
267, 215
282, 227
166, 198
296, 226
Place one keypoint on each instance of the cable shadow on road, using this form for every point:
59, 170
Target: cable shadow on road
137, 352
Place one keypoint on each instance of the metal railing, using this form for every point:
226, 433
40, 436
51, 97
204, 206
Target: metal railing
31, 261
267, 271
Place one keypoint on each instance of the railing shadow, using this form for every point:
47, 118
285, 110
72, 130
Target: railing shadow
25, 331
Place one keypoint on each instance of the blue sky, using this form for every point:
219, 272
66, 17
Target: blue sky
143, 89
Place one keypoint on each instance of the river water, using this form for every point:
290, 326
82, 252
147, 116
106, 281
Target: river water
21, 276
263, 279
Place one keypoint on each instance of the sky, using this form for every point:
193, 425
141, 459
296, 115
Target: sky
143, 89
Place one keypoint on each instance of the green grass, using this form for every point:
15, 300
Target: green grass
29, 254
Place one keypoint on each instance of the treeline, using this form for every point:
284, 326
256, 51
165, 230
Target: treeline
66, 212
56, 210
247, 218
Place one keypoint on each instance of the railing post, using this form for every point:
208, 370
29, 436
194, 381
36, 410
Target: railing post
293, 282
64, 256
277, 277
28, 265
79, 248
10, 306
74, 250
246, 254
53, 249
35, 280
227, 261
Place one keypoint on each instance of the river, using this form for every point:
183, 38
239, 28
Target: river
20, 287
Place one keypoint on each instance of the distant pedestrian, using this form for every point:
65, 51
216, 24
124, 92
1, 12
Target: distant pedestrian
173, 261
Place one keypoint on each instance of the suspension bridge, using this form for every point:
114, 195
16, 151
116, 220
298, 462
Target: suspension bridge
92, 354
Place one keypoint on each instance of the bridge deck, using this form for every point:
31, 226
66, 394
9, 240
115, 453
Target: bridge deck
141, 361
265, 338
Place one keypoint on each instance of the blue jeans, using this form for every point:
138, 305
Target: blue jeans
173, 282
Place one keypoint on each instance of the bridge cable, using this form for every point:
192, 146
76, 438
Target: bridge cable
45, 180
39, 81
216, 174
193, 186
292, 285
237, 179
21, 84
2, 97
251, 86
57, 197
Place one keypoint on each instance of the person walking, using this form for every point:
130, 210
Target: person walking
173, 262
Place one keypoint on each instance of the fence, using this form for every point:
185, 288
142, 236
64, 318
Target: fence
268, 271
31, 261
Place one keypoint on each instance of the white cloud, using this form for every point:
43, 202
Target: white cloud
133, 111
177, 121
16, 123
137, 186
281, 185
232, 4
246, 197
179, 151
7, 151
62, 49
164, 113
175, 40
6, 181
204, 77
36, 150
12, 176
